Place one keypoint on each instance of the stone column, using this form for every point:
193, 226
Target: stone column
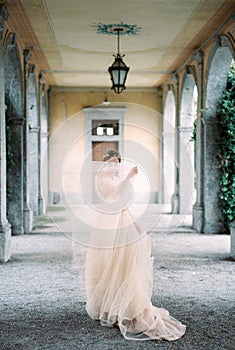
44, 167
198, 211
217, 73
168, 165
161, 196
43, 150
33, 136
175, 199
198, 208
161, 180
28, 212
232, 240
15, 176
5, 230
33, 152
186, 175
212, 213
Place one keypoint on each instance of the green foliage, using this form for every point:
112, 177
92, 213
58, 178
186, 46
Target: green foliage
226, 150
194, 133
10, 161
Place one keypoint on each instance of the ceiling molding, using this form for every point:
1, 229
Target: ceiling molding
103, 89
61, 71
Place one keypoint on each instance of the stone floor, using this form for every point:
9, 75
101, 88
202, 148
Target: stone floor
42, 297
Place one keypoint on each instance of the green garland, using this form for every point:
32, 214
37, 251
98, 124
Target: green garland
226, 150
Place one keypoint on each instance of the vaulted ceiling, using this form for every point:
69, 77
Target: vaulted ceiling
64, 40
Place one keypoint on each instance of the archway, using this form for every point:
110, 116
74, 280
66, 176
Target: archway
14, 135
216, 83
186, 146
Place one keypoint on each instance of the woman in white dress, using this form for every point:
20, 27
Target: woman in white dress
119, 264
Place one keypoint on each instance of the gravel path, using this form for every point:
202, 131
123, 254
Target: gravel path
42, 299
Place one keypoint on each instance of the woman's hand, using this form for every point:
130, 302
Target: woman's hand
132, 173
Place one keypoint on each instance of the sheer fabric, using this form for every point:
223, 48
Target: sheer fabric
119, 270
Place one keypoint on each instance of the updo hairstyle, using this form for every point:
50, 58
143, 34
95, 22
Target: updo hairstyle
111, 153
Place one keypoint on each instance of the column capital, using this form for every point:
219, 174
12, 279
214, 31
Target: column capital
33, 128
29, 68
45, 134
198, 57
185, 128
16, 121
168, 133
41, 80
160, 93
27, 56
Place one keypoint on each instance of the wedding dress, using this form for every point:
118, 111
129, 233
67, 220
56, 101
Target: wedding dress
119, 269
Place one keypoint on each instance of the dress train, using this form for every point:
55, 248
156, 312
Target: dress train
119, 289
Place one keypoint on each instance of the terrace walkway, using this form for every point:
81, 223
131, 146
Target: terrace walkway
42, 300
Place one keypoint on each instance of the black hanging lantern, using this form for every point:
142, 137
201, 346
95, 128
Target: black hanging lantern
118, 71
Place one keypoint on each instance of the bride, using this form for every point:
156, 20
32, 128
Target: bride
119, 264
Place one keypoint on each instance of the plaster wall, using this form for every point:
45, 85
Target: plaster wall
68, 135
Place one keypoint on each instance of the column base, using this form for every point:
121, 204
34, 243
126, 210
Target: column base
210, 227
232, 240
5, 242
28, 220
56, 198
175, 204
198, 220
41, 206
160, 197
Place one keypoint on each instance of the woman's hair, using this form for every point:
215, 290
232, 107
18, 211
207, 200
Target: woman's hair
112, 153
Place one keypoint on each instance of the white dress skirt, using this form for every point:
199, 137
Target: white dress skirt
119, 276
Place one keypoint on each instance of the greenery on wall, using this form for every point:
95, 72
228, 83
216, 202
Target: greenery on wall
226, 150
10, 157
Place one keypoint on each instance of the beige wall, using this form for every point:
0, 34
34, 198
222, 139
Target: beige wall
67, 126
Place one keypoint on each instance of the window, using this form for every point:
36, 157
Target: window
105, 127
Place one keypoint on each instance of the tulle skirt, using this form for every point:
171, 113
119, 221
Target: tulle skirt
119, 285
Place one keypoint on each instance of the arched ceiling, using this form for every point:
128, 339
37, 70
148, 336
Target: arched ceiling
64, 40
